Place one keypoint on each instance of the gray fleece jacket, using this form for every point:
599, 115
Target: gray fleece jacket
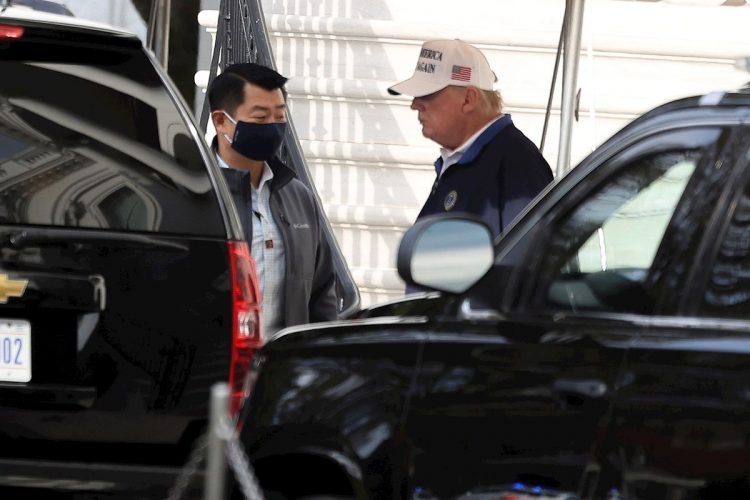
310, 294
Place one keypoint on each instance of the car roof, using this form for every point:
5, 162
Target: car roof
695, 106
739, 97
26, 16
723, 98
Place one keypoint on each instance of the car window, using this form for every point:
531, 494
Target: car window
94, 140
601, 252
727, 293
646, 213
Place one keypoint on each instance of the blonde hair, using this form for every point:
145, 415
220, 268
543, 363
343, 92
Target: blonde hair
492, 101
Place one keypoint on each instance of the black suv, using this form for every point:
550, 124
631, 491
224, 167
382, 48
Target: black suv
126, 286
599, 349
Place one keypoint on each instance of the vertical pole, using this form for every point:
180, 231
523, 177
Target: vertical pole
158, 30
213, 488
574, 11
218, 60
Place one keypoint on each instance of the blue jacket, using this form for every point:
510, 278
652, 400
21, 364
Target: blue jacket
500, 173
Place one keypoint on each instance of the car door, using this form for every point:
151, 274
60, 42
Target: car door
517, 386
683, 416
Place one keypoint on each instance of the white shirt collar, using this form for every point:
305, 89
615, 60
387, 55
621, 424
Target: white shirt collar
220, 160
264, 178
451, 157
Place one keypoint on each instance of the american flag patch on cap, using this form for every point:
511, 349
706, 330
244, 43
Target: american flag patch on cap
461, 73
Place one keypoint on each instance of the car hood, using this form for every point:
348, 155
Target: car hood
421, 304
402, 319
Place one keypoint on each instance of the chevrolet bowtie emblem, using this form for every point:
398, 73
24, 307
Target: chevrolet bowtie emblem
11, 288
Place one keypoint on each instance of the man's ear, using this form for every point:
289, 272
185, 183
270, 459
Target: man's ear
471, 99
219, 119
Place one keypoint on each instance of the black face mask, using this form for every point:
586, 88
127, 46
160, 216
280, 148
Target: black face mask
257, 141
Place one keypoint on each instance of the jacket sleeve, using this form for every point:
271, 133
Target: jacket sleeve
323, 301
525, 174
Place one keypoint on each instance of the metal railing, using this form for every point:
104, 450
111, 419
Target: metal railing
218, 447
241, 36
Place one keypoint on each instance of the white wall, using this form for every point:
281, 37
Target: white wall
369, 160
371, 164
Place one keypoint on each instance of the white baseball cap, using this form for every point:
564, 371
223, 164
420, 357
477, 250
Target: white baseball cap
447, 62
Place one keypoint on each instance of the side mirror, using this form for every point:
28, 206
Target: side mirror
446, 253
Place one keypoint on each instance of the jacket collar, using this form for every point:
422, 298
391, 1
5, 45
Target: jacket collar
480, 142
281, 173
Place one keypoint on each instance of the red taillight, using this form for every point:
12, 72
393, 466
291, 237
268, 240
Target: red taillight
247, 334
9, 32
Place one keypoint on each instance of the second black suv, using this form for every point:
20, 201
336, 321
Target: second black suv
598, 350
126, 286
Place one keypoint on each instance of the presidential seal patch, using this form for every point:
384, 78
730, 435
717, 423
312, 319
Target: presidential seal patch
450, 200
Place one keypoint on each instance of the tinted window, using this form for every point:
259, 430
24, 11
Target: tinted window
602, 252
96, 142
728, 290
647, 206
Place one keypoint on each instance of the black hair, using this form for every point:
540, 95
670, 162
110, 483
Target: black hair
227, 90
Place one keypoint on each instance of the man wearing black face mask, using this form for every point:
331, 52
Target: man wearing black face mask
279, 213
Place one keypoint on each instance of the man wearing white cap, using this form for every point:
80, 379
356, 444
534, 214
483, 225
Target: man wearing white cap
487, 166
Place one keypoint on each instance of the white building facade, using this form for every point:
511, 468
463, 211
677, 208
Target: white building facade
372, 167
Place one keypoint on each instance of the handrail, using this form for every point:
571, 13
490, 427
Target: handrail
242, 36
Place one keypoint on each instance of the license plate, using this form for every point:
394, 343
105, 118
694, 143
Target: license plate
15, 350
